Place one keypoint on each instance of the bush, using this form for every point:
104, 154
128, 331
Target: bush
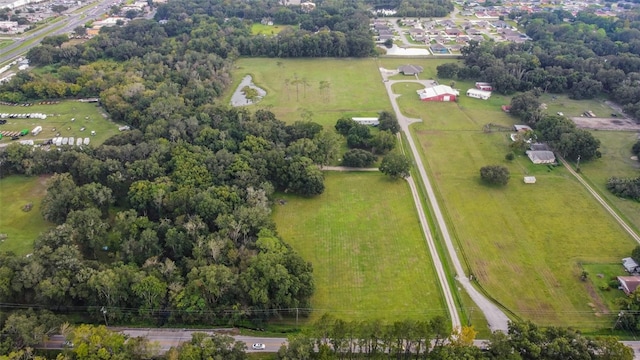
510, 156
495, 174
358, 158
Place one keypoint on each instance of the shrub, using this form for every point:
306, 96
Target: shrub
495, 174
510, 156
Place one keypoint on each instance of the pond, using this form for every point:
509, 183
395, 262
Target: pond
238, 98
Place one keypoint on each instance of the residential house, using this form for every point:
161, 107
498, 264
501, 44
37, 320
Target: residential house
410, 69
453, 32
541, 157
438, 49
629, 284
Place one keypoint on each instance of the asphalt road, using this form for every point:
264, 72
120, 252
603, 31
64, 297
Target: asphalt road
66, 25
168, 338
496, 318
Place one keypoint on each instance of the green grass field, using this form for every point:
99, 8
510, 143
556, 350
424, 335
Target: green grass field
21, 227
369, 257
355, 87
601, 275
260, 29
615, 161
87, 115
429, 66
523, 242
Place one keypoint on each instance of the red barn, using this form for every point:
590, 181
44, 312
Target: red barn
438, 93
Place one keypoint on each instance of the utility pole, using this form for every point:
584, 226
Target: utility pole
104, 313
578, 165
296, 317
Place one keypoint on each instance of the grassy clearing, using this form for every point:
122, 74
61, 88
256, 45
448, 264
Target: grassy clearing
260, 29
5, 43
571, 108
363, 238
21, 227
87, 115
523, 242
355, 87
615, 161
601, 275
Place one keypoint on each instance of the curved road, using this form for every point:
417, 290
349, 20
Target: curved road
496, 318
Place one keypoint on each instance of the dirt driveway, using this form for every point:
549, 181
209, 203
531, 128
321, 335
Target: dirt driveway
613, 123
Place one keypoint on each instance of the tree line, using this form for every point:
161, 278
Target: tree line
332, 338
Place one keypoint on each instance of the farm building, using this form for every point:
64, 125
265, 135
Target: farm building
484, 86
541, 157
438, 93
629, 284
479, 94
373, 121
410, 69
630, 265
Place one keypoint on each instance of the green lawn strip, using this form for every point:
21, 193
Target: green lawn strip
350, 90
615, 161
519, 240
87, 115
5, 43
21, 227
369, 256
574, 108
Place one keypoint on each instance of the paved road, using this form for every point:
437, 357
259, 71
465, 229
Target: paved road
495, 316
604, 204
66, 25
168, 338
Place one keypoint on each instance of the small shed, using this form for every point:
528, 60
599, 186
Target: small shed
541, 157
529, 179
629, 284
539, 147
37, 130
630, 265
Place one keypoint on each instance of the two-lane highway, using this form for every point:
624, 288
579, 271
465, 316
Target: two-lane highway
69, 22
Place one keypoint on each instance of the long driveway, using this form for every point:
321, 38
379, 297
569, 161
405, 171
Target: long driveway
496, 318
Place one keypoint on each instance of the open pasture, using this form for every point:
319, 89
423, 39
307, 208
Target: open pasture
21, 227
267, 30
522, 242
615, 161
322, 90
369, 257
87, 115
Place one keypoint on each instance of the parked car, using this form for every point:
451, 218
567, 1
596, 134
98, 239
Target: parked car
258, 346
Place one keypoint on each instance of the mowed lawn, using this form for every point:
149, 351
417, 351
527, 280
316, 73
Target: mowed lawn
369, 256
523, 242
87, 115
615, 161
354, 87
21, 227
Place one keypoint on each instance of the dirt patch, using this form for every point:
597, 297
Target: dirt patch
614, 123
597, 304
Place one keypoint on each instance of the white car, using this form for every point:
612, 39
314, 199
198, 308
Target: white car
258, 346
